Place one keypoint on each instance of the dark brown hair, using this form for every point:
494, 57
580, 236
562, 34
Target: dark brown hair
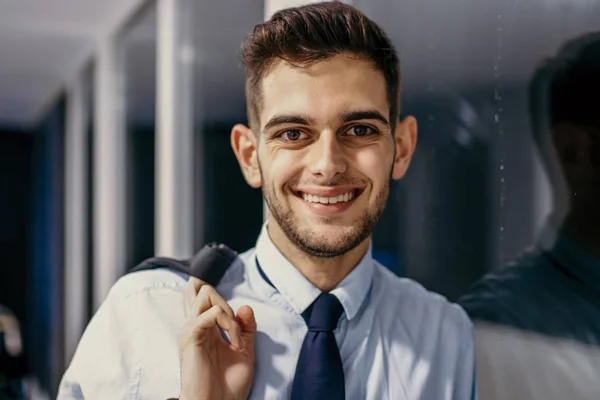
305, 35
563, 89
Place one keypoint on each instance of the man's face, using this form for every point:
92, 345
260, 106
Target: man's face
578, 149
326, 153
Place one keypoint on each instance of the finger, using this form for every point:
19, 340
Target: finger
246, 320
245, 317
216, 316
189, 294
208, 297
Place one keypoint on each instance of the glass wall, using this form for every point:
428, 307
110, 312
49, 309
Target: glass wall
17, 174
475, 195
46, 276
137, 47
219, 104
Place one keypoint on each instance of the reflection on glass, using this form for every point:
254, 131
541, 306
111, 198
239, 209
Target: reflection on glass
538, 319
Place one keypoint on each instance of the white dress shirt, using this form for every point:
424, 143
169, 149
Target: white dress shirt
396, 340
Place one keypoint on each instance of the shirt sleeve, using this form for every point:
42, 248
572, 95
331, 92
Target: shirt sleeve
466, 380
106, 364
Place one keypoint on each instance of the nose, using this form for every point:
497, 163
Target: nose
327, 157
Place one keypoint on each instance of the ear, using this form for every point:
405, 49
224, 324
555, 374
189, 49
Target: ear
245, 146
574, 145
405, 137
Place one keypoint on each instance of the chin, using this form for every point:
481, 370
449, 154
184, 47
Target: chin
328, 234
328, 246
327, 227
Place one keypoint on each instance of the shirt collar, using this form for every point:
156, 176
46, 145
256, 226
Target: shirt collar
299, 292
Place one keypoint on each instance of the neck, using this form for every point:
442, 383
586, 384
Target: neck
325, 273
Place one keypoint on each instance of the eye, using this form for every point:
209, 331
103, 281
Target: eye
360, 130
292, 135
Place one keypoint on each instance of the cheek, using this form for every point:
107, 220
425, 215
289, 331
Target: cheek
283, 167
375, 165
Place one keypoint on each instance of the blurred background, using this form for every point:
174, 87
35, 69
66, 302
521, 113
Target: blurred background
114, 147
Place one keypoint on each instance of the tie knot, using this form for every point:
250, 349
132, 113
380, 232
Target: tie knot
324, 313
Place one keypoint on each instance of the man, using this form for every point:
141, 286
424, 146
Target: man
308, 312
538, 320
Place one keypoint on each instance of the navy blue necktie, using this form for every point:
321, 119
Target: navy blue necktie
320, 373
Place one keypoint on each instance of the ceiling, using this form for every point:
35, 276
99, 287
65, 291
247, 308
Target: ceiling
43, 46
218, 77
444, 47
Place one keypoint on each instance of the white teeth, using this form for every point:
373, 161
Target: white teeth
328, 200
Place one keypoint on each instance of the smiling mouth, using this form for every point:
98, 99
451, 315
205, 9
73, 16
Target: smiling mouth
342, 198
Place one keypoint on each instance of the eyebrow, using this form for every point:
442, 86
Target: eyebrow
288, 119
306, 120
367, 114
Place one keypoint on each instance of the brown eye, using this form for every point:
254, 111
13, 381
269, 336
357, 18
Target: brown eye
360, 130
292, 135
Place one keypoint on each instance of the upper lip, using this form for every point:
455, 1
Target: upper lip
324, 191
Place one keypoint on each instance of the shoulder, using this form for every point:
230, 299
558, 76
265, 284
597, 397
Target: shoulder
133, 334
144, 282
501, 295
418, 323
164, 280
409, 301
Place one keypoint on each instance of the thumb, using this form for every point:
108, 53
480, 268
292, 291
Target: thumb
245, 317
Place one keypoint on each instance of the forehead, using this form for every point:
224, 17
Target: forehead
323, 90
